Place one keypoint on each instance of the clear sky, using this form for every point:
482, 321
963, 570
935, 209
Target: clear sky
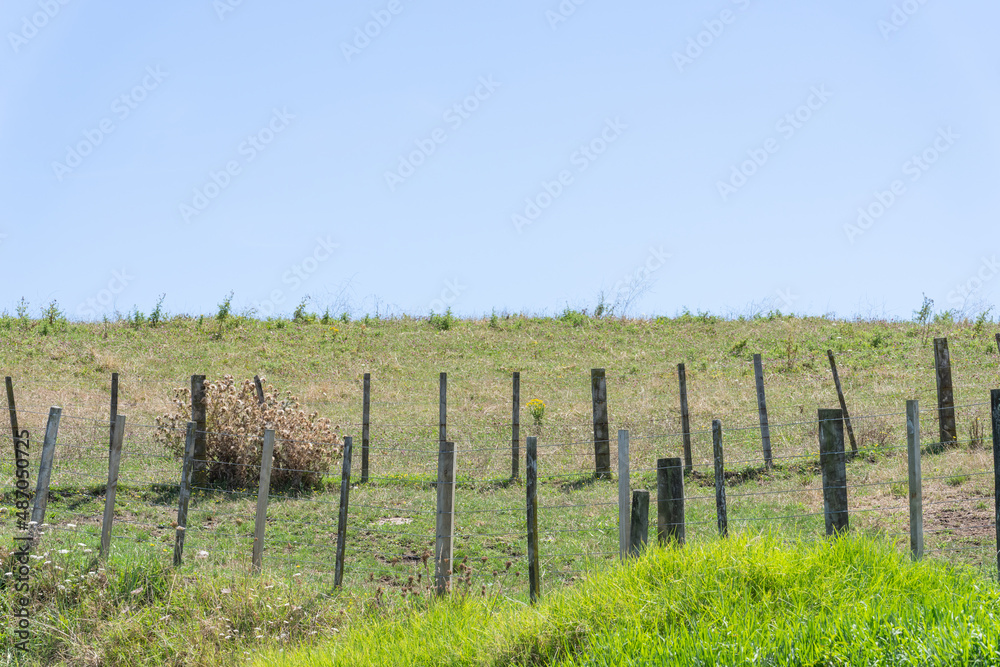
408, 156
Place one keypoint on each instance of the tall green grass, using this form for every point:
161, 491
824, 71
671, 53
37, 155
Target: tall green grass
750, 600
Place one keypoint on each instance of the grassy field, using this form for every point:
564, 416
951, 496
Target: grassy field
136, 609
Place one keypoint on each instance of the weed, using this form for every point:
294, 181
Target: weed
494, 320
439, 322
956, 480
300, 316
574, 317
536, 408
22, 314
156, 317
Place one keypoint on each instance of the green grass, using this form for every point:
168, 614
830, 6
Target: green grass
750, 600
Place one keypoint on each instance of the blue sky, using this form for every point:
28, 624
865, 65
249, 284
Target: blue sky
405, 156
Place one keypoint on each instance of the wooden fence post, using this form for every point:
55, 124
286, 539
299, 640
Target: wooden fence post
995, 413
515, 427
366, 408
670, 500
843, 404
44, 473
12, 408
685, 418
263, 490
184, 495
765, 429
114, 411
834, 465
914, 480
998, 343
443, 408
259, 386
531, 484
345, 489
639, 522
721, 511
602, 434
198, 416
623, 489
114, 461
445, 538
946, 393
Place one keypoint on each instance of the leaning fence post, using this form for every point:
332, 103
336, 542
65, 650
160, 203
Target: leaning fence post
843, 403
531, 484
184, 495
198, 416
12, 408
259, 386
114, 461
366, 407
832, 460
263, 489
765, 430
685, 418
669, 501
623, 499
345, 489
914, 479
995, 412
721, 511
443, 408
445, 539
44, 473
602, 434
114, 411
639, 523
945, 392
515, 427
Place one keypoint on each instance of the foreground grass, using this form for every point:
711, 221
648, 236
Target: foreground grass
749, 600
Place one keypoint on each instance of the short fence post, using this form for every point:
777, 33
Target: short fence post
914, 479
12, 408
366, 407
443, 408
843, 403
44, 473
685, 418
832, 460
114, 461
623, 488
602, 434
765, 429
670, 501
114, 411
258, 385
998, 343
198, 416
184, 495
995, 413
263, 490
445, 538
345, 489
945, 392
515, 427
639, 523
531, 484
721, 511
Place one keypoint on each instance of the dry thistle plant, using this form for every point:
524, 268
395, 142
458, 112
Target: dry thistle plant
304, 448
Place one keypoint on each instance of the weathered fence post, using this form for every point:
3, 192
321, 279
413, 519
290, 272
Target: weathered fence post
834, 465
114, 411
366, 407
602, 434
258, 385
263, 490
44, 473
531, 484
114, 462
914, 479
515, 427
945, 392
843, 403
345, 490
184, 495
623, 488
443, 408
445, 539
669, 501
685, 418
639, 523
998, 343
198, 416
995, 413
721, 511
12, 408
765, 429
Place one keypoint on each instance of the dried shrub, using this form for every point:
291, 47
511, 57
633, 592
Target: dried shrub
305, 444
